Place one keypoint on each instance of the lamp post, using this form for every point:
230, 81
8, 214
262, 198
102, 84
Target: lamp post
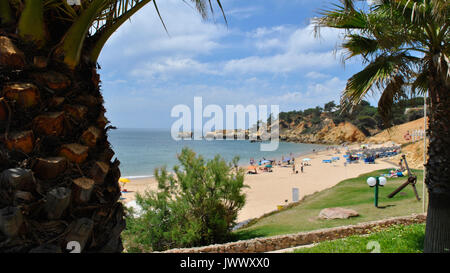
376, 182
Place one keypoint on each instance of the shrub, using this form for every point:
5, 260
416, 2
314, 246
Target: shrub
414, 114
197, 205
365, 121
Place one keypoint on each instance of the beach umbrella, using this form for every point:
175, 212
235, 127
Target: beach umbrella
265, 161
268, 166
306, 159
124, 181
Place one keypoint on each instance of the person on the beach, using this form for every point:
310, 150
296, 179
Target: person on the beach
293, 168
407, 136
301, 167
400, 164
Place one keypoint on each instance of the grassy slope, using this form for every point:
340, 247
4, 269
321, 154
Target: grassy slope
396, 239
352, 193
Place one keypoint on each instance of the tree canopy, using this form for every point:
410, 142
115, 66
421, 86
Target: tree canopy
403, 43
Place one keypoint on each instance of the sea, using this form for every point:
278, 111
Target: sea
140, 151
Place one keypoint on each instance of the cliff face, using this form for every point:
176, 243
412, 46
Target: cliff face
325, 132
397, 133
335, 124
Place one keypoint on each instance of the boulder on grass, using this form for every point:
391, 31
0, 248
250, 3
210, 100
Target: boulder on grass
337, 213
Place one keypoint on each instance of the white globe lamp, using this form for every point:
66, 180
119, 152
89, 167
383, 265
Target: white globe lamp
382, 181
371, 181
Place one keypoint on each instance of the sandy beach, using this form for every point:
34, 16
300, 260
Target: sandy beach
270, 189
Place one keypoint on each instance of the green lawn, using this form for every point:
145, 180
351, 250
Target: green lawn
352, 193
395, 239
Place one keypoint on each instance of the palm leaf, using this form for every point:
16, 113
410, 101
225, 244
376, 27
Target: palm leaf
375, 74
118, 9
420, 84
341, 18
360, 45
391, 93
402, 40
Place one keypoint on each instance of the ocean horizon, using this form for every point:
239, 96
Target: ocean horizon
140, 151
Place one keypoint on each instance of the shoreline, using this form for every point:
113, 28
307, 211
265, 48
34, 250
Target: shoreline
244, 165
271, 189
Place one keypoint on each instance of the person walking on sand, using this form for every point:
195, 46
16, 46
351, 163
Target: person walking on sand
293, 168
301, 167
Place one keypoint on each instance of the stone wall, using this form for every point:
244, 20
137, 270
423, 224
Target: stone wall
303, 238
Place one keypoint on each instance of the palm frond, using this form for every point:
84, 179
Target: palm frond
348, 4
376, 74
404, 42
441, 10
391, 93
420, 84
341, 18
65, 11
113, 17
118, 9
359, 45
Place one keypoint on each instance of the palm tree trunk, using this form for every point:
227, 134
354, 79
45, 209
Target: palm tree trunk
437, 234
58, 186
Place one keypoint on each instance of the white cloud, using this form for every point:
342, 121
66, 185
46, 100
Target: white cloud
269, 44
293, 49
300, 51
262, 32
328, 88
305, 39
146, 35
281, 63
316, 75
292, 38
280, 49
173, 66
312, 95
284, 65
242, 13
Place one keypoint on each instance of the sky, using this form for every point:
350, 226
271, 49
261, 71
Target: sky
267, 54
